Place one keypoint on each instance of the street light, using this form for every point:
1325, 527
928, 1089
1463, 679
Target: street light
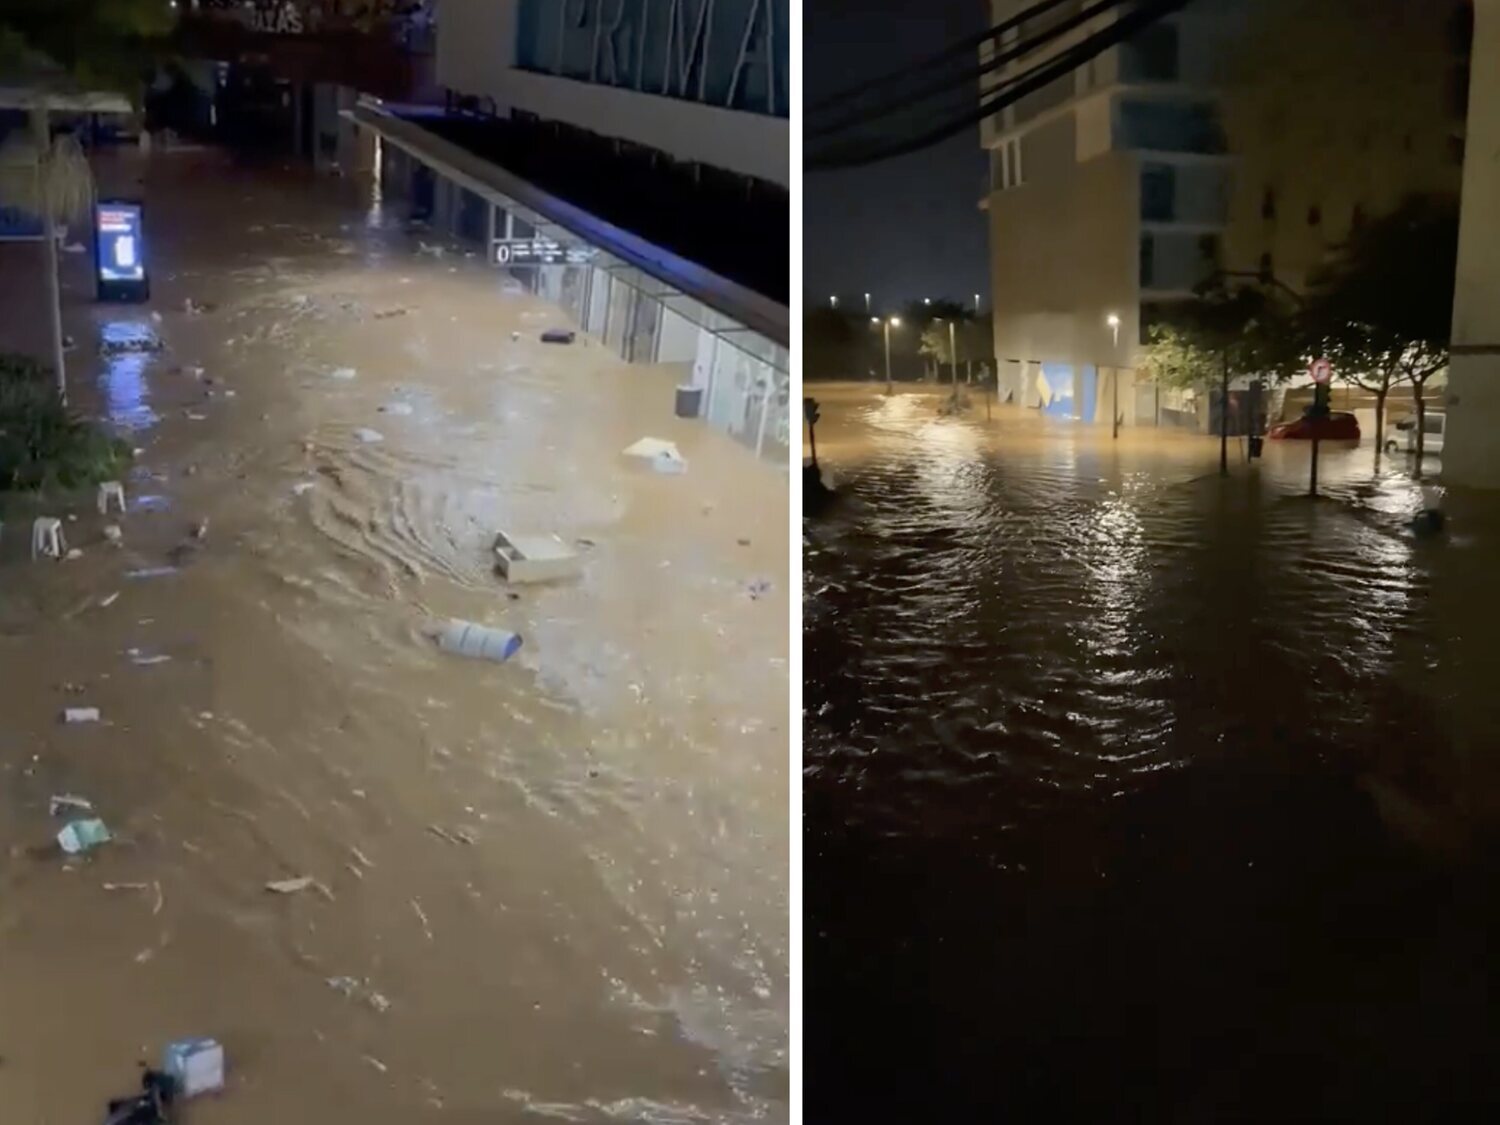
867, 302
889, 323
834, 301
927, 300
1114, 326
976, 302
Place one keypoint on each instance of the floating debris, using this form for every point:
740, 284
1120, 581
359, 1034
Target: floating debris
82, 835
291, 886
62, 801
356, 989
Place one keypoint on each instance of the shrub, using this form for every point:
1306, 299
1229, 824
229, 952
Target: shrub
42, 445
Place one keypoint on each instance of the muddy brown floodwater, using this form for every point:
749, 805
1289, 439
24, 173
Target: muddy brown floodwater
558, 886
1136, 795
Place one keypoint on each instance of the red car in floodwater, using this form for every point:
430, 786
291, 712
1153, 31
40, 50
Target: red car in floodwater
1339, 426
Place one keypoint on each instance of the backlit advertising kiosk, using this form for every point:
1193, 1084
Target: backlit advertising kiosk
120, 251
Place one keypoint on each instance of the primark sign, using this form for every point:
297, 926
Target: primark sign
730, 53
269, 17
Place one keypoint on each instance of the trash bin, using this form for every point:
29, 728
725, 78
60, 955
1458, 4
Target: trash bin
689, 401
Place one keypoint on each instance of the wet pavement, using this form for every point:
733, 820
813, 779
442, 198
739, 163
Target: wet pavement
1134, 794
557, 886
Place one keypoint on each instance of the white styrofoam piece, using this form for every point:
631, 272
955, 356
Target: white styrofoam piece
663, 456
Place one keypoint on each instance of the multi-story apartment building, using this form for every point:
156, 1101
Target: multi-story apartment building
1246, 136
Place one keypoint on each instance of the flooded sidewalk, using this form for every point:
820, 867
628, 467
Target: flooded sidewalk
550, 889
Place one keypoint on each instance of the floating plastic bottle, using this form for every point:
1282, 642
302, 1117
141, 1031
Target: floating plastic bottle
465, 638
81, 835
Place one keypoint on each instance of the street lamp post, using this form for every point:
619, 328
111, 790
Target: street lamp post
888, 323
833, 301
953, 356
867, 303
1114, 326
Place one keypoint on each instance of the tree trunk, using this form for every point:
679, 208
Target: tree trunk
1224, 421
42, 133
1416, 390
54, 305
1380, 421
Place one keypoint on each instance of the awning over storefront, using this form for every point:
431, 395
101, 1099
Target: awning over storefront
490, 181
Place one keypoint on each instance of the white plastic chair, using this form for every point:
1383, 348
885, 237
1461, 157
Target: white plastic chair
111, 490
47, 538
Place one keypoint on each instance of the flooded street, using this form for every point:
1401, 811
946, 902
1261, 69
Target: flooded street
1134, 794
558, 886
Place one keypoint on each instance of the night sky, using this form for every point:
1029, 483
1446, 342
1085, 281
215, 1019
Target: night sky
907, 228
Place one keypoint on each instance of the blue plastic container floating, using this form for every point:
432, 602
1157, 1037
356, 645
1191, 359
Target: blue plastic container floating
465, 638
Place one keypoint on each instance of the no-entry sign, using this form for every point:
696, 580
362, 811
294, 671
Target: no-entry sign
1320, 370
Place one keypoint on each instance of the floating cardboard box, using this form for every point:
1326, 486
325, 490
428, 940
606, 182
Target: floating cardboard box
663, 456
535, 558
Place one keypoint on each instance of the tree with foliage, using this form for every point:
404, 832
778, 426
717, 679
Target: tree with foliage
94, 44
58, 48
1382, 312
835, 344
1224, 333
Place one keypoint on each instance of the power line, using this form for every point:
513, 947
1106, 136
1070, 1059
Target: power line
903, 99
964, 48
1131, 22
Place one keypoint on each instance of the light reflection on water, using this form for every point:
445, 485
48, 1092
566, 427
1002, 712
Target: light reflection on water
123, 375
1090, 740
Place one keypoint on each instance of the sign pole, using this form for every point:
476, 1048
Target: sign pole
1322, 372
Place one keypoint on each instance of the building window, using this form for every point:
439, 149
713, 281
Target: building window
1266, 272
1268, 204
1314, 215
1158, 193
1208, 250
1148, 261
1150, 55
1168, 126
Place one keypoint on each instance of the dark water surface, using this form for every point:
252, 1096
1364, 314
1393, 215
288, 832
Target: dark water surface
1133, 794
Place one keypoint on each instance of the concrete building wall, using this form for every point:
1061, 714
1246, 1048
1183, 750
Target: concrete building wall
1334, 112
479, 48
1064, 259
1471, 454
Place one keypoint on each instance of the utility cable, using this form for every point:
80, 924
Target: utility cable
1036, 78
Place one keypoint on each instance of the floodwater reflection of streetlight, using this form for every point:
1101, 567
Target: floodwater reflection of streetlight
1114, 326
889, 323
